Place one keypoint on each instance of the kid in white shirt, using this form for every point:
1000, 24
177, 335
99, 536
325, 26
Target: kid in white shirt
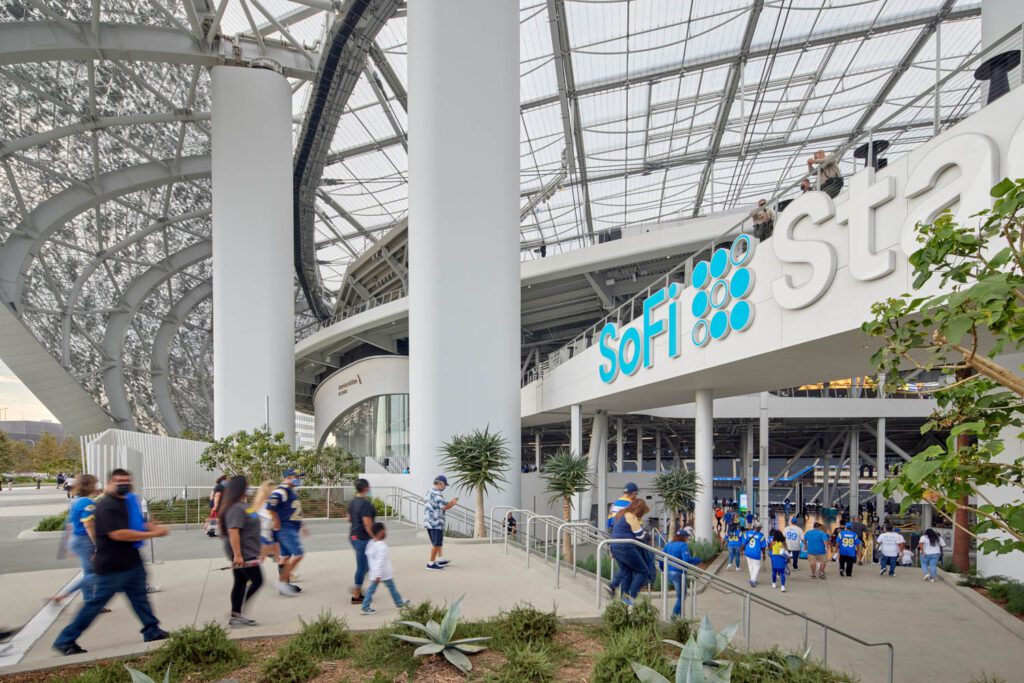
379, 558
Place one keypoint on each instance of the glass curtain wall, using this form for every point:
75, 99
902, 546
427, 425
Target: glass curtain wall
375, 430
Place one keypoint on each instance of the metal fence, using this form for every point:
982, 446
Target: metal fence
191, 504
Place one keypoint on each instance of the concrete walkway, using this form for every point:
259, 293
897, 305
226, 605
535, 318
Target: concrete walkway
938, 634
195, 592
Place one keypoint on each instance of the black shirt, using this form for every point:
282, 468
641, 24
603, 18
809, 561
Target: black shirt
113, 556
217, 488
358, 509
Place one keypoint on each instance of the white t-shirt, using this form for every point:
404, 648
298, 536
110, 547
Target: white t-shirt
380, 561
794, 537
889, 543
927, 548
907, 558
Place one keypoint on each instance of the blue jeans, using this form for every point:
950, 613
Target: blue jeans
930, 565
632, 569
779, 573
734, 557
885, 560
678, 581
133, 584
82, 547
390, 583
361, 564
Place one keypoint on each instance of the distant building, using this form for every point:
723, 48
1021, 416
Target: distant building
305, 434
29, 431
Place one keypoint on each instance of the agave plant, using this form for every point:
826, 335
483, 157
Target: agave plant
139, 677
439, 639
697, 663
794, 662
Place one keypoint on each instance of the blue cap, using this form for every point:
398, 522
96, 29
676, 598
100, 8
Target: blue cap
849, 525
441, 478
793, 521
293, 472
631, 488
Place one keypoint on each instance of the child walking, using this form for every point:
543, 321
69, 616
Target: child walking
379, 559
780, 558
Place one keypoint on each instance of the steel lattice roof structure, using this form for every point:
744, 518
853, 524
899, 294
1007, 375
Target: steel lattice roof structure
632, 112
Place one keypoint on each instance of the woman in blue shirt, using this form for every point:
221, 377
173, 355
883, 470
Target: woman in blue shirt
633, 571
734, 541
679, 549
80, 535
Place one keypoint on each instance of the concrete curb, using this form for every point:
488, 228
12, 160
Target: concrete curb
997, 613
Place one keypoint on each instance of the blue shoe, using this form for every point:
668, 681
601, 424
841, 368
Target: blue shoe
367, 610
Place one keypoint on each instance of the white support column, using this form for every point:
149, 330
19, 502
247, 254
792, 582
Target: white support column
657, 451
748, 466
598, 464
826, 481
704, 444
880, 467
639, 449
764, 473
536, 450
253, 311
464, 311
576, 447
854, 498
620, 446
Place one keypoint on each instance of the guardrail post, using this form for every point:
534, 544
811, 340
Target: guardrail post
824, 645
328, 502
806, 634
746, 620
664, 593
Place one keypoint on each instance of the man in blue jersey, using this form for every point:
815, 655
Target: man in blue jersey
848, 542
754, 549
734, 541
286, 513
629, 494
817, 550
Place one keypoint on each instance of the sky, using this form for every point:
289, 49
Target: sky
16, 401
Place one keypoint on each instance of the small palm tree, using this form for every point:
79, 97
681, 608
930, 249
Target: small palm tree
477, 461
567, 474
677, 491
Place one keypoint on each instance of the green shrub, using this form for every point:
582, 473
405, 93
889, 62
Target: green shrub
205, 651
422, 612
53, 522
972, 579
108, 672
292, 664
389, 657
987, 678
641, 617
527, 663
325, 638
705, 549
679, 629
382, 508
525, 624
772, 666
589, 564
626, 646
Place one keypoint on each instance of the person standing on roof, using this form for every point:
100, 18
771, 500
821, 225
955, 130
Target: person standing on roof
794, 536
754, 549
629, 494
434, 507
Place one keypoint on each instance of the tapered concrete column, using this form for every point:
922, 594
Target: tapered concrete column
576, 447
704, 444
253, 305
463, 229
536, 450
748, 466
602, 469
764, 473
620, 446
657, 451
826, 482
639, 449
854, 470
880, 467
598, 443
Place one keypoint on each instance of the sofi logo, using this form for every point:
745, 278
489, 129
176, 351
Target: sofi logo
720, 289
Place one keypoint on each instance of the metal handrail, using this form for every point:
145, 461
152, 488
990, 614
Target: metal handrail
728, 587
629, 307
589, 532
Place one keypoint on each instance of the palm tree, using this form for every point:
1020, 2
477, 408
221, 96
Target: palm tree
477, 461
567, 474
677, 490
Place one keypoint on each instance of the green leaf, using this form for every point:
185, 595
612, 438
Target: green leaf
428, 649
1001, 188
434, 630
139, 677
690, 666
918, 469
411, 639
462, 641
451, 620
419, 627
470, 649
460, 660
707, 639
646, 674
722, 675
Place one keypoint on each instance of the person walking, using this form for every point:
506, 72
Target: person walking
719, 515
510, 525
754, 549
240, 529
117, 564
817, 550
434, 508
629, 493
734, 542
269, 547
679, 548
215, 494
632, 563
286, 510
794, 541
362, 516
779, 554
890, 547
380, 569
930, 546
849, 544
861, 529
82, 537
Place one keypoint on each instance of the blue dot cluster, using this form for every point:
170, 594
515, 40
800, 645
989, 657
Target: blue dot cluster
723, 281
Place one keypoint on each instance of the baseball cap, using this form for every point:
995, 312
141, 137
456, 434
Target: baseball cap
293, 472
849, 525
793, 521
684, 533
441, 478
631, 488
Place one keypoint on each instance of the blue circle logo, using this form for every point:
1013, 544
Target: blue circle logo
720, 263
701, 275
723, 307
701, 304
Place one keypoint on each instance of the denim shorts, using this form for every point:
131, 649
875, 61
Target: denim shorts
436, 537
291, 545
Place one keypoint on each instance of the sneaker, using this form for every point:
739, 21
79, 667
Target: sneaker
773, 584
753, 584
367, 610
881, 572
926, 577
72, 649
355, 600
153, 588
241, 621
932, 580
159, 635
297, 589
443, 563
611, 591
286, 589
783, 589
821, 575
814, 576
434, 567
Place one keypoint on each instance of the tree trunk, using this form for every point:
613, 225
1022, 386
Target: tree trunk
672, 524
566, 537
961, 539
479, 531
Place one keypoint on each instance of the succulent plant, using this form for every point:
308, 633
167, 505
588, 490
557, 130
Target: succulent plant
439, 639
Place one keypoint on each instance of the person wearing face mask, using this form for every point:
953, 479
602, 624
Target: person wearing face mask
82, 535
117, 564
241, 533
362, 515
286, 510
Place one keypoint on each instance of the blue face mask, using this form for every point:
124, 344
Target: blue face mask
369, 493
296, 482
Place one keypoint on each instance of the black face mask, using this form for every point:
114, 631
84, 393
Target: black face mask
124, 489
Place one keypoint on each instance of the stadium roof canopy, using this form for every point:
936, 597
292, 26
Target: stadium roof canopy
633, 112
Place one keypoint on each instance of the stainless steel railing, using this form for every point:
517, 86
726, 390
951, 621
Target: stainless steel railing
750, 598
